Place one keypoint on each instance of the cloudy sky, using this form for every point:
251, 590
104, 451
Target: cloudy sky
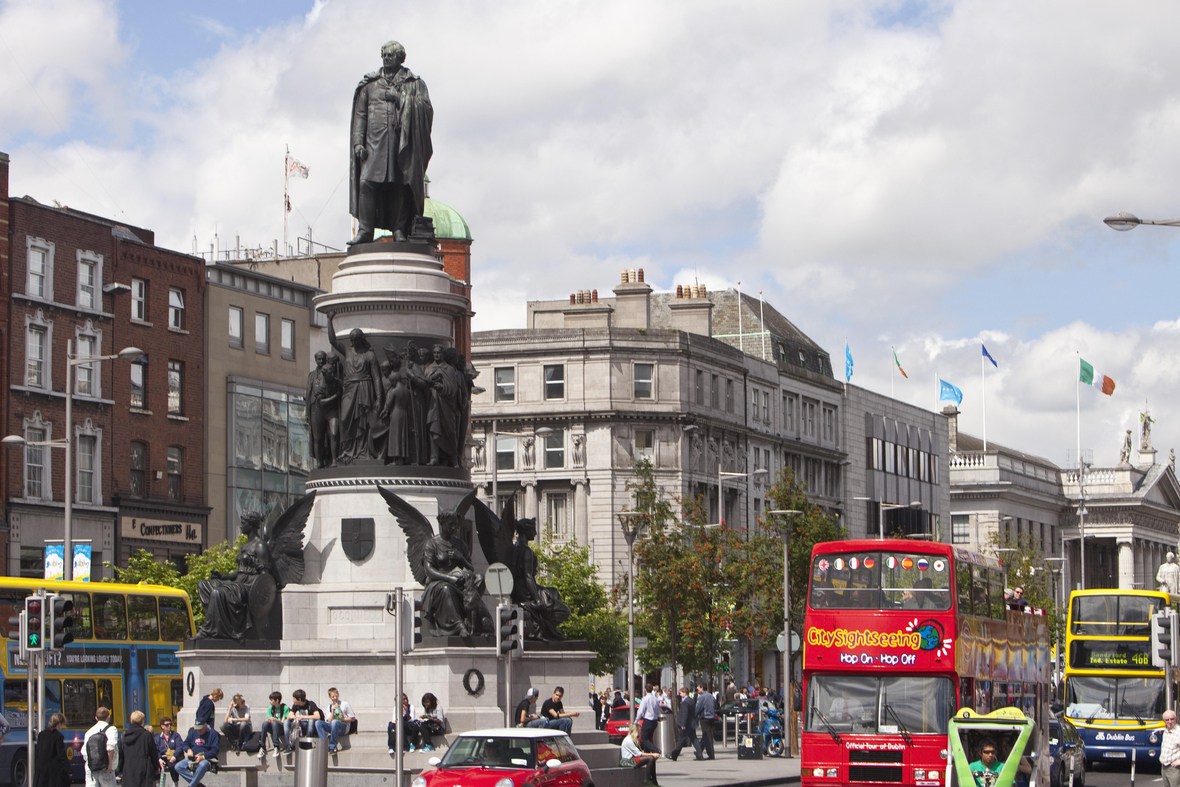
889, 173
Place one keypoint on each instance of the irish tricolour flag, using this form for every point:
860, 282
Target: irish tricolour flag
1096, 379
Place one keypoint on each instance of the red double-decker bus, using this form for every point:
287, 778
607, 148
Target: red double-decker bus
898, 636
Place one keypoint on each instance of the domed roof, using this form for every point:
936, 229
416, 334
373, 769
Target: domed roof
448, 224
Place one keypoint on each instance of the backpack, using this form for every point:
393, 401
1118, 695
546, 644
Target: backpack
97, 758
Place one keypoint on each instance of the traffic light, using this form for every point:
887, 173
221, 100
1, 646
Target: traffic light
33, 623
16, 631
411, 623
725, 654
1163, 630
60, 622
510, 623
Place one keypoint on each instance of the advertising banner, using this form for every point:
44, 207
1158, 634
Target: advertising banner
55, 564
81, 562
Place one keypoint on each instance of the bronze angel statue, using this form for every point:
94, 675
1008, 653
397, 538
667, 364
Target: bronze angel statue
452, 602
544, 609
238, 604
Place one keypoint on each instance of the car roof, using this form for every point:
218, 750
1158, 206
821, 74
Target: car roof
513, 732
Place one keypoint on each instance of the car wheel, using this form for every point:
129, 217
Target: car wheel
20, 770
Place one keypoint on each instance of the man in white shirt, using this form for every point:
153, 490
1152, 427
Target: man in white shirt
1170, 750
648, 716
104, 777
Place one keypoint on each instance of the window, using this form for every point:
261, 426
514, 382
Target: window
176, 308
890, 458
235, 327
555, 450
34, 463
868, 704
38, 273
807, 419
35, 358
262, 333
505, 453
79, 701
174, 625
141, 613
175, 467
271, 450
87, 270
555, 516
84, 372
139, 385
715, 393
110, 616
505, 384
729, 396
960, 529
643, 380
766, 406
138, 467
700, 387
754, 404
644, 444
287, 339
829, 425
85, 452
789, 414
555, 382
175, 387
139, 300
81, 628
32, 562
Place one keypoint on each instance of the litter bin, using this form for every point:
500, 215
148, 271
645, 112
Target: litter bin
665, 736
311, 762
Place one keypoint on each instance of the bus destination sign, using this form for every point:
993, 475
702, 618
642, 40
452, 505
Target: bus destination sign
1111, 654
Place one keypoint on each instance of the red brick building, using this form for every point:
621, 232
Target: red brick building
86, 282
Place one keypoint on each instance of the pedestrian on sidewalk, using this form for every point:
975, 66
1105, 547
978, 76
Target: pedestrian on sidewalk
706, 716
649, 718
631, 749
686, 720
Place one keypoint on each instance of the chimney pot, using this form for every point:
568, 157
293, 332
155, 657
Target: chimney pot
594, 296
641, 275
624, 279
572, 301
679, 290
703, 293
632, 277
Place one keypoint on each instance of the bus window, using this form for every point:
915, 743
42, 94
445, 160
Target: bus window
16, 695
174, 625
845, 581
141, 612
106, 694
981, 607
12, 603
81, 614
910, 581
996, 593
80, 703
963, 581
52, 697
110, 616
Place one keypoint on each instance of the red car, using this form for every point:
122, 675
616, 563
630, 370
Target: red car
616, 725
508, 758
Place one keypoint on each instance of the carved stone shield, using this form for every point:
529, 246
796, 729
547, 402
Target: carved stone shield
356, 537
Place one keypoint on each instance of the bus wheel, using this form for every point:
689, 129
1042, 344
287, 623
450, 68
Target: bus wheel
20, 770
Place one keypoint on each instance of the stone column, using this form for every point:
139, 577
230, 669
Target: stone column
1126, 564
530, 499
581, 518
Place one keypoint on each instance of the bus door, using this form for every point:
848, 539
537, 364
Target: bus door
165, 697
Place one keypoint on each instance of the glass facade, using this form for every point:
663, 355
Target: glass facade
269, 450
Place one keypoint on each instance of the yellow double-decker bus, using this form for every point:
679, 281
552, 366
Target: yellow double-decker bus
123, 657
1114, 693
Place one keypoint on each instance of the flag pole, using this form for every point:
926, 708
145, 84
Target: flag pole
1081, 485
892, 363
983, 397
741, 340
286, 192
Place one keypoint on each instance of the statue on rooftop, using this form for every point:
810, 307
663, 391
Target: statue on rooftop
1145, 435
390, 145
1125, 453
1168, 576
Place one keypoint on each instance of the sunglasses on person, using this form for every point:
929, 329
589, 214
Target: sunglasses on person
992, 752
165, 724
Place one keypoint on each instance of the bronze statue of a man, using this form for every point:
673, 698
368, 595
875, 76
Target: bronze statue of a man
391, 120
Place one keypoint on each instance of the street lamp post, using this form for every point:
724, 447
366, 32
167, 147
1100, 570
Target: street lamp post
789, 699
1124, 221
131, 354
629, 533
882, 507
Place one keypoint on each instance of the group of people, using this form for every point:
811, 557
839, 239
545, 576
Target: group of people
283, 724
553, 714
693, 709
418, 729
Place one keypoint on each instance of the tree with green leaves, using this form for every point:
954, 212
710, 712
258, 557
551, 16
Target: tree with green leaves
592, 618
1025, 567
804, 530
143, 566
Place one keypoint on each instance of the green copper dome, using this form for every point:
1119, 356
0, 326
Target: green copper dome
448, 224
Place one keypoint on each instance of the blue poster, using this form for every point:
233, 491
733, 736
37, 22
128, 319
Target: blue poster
81, 562
55, 564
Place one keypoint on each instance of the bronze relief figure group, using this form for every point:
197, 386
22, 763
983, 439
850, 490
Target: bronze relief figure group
409, 408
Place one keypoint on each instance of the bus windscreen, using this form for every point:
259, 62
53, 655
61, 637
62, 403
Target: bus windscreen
880, 580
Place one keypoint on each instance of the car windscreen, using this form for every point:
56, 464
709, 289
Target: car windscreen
469, 751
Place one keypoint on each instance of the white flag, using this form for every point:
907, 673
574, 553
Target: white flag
297, 168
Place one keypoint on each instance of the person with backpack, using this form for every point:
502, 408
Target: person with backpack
202, 745
100, 750
139, 759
